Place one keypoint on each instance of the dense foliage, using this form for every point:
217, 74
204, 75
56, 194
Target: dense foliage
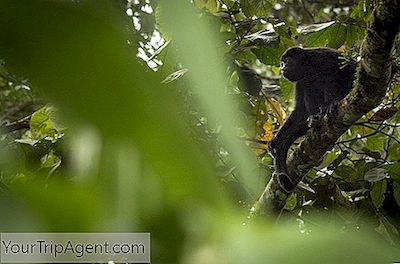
358, 181
174, 141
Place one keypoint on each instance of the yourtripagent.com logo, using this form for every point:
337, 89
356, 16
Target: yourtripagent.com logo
74, 247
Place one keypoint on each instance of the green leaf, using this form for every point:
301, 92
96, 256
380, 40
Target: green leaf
246, 57
334, 163
362, 10
337, 36
286, 88
318, 39
396, 193
329, 34
286, 33
375, 175
375, 143
291, 202
360, 166
211, 5
259, 8
344, 171
270, 56
50, 161
378, 193
354, 34
394, 171
41, 124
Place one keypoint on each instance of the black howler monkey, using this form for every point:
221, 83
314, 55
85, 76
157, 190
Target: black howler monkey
322, 78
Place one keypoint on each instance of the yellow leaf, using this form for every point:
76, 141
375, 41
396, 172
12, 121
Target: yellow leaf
268, 135
276, 108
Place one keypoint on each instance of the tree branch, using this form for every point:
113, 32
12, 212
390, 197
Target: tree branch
18, 125
372, 79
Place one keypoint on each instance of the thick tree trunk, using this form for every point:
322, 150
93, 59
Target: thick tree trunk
372, 80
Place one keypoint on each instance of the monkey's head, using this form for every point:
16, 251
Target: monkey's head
298, 63
294, 64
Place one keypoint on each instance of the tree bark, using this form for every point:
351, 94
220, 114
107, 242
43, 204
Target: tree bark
372, 79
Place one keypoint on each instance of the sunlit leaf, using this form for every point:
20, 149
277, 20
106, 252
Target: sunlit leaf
291, 202
268, 134
307, 29
41, 123
264, 37
276, 108
27, 141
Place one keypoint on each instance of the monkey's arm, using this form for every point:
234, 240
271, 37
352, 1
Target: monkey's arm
292, 124
295, 119
299, 115
315, 120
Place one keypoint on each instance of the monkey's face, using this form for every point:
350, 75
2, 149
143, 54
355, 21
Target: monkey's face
294, 64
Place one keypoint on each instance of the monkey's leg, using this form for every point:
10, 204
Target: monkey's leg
281, 169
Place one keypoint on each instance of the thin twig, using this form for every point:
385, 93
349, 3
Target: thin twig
384, 133
18, 125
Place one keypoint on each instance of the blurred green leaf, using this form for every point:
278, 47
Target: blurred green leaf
100, 83
291, 202
61, 206
41, 124
211, 5
206, 72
